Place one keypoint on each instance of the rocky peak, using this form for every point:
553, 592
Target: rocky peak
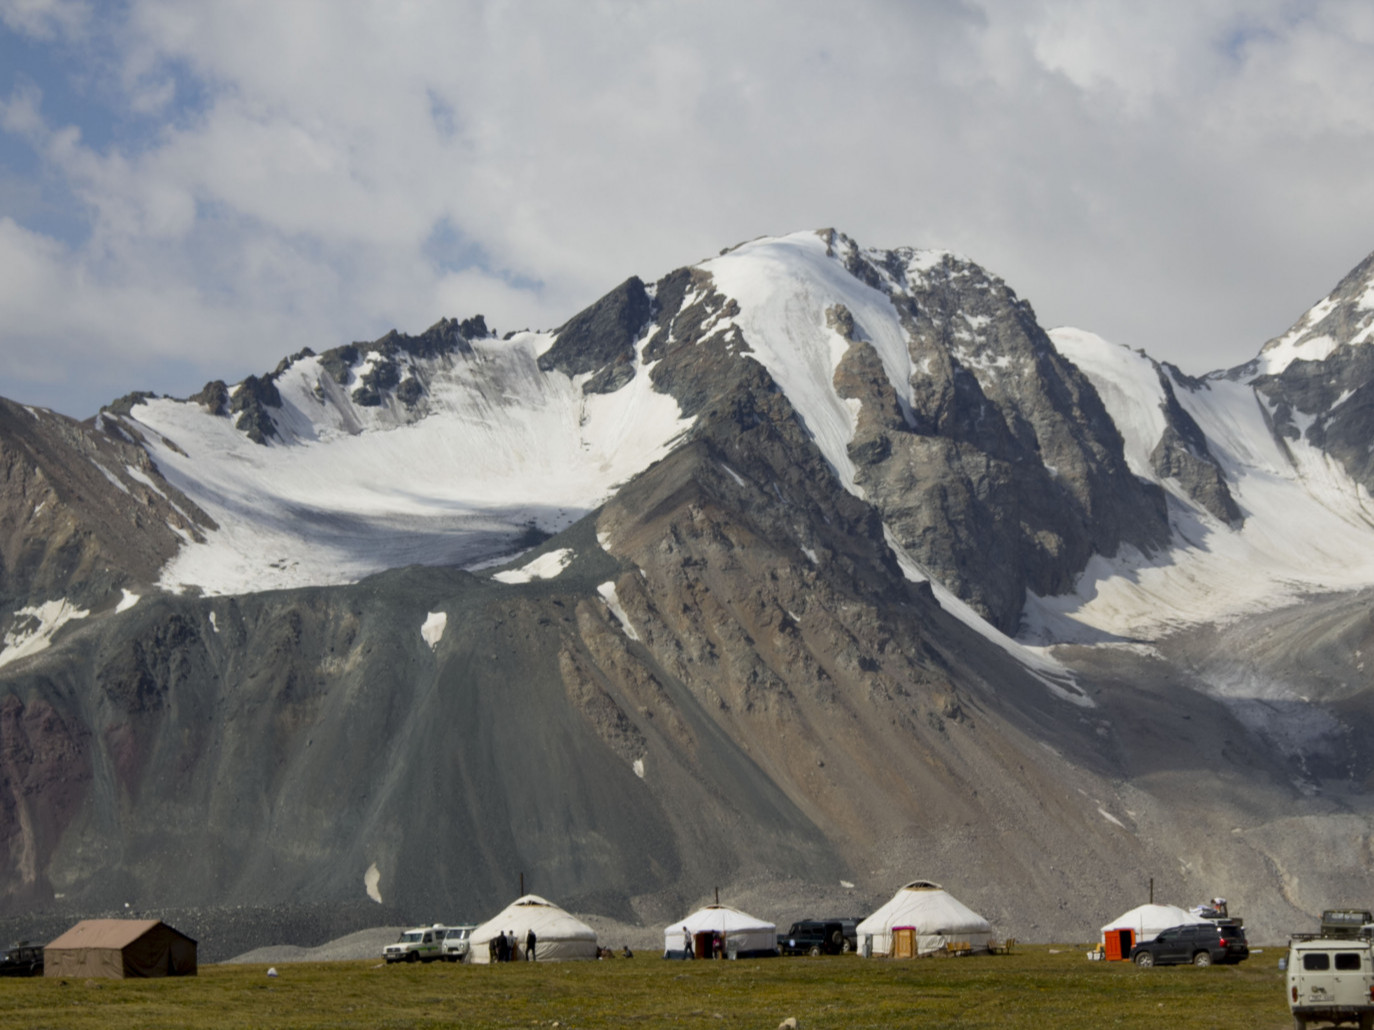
1006, 474
1316, 378
1343, 318
601, 338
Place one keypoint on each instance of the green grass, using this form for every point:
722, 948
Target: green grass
1039, 987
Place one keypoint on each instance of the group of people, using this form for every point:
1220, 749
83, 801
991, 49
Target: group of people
503, 947
714, 945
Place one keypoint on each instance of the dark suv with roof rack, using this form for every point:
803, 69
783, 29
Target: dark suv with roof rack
813, 937
1202, 944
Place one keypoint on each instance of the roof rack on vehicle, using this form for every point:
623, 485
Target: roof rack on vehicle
1364, 934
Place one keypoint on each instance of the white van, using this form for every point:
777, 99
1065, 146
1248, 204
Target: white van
456, 942
1331, 980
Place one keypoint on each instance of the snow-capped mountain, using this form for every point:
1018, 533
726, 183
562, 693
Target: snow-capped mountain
820, 562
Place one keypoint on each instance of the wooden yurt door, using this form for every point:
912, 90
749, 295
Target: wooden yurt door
904, 942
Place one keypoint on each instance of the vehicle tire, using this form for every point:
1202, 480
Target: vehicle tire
1367, 1021
1299, 1023
1202, 959
846, 947
1144, 959
412, 956
815, 950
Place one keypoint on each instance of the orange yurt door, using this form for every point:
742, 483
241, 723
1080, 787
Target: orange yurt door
1118, 944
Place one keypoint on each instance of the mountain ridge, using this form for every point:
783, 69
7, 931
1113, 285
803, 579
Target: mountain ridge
844, 569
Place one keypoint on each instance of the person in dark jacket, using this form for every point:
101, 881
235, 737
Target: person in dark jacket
530, 941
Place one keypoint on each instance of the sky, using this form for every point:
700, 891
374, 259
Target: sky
193, 191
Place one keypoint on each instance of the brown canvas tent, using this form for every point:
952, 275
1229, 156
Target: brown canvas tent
120, 948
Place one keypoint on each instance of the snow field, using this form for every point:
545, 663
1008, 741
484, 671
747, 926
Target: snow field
1307, 525
349, 491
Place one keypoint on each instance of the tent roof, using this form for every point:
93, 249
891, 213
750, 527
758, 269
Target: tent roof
108, 933
531, 912
1147, 918
719, 917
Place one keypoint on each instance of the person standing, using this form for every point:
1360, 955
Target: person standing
530, 941
687, 943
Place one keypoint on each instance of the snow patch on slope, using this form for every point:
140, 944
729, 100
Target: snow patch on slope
34, 627
432, 630
546, 566
612, 599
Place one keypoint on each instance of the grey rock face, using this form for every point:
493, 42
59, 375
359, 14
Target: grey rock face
75, 522
603, 334
1327, 389
251, 403
1182, 454
1335, 398
1006, 474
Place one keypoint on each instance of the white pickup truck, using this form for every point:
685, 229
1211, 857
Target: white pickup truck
1331, 980
422, 944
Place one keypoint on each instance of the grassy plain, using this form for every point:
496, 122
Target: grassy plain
1038, 987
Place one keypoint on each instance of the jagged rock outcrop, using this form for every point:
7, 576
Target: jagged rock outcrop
601, 338
83, 511
1315, 379
1183, 455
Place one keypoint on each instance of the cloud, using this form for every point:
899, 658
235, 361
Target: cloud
249, 178
45, 19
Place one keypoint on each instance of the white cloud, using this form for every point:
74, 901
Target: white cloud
45, 19
1181, 177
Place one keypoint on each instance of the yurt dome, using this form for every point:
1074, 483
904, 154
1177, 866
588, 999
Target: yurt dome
927, 916
558, 936
747, 936
1147, 920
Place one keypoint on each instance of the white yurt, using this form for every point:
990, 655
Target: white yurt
558, 936
740, 932
927, 916
1144, 922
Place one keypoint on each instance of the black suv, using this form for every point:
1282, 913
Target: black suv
1198, 943
813, 937
24, 959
